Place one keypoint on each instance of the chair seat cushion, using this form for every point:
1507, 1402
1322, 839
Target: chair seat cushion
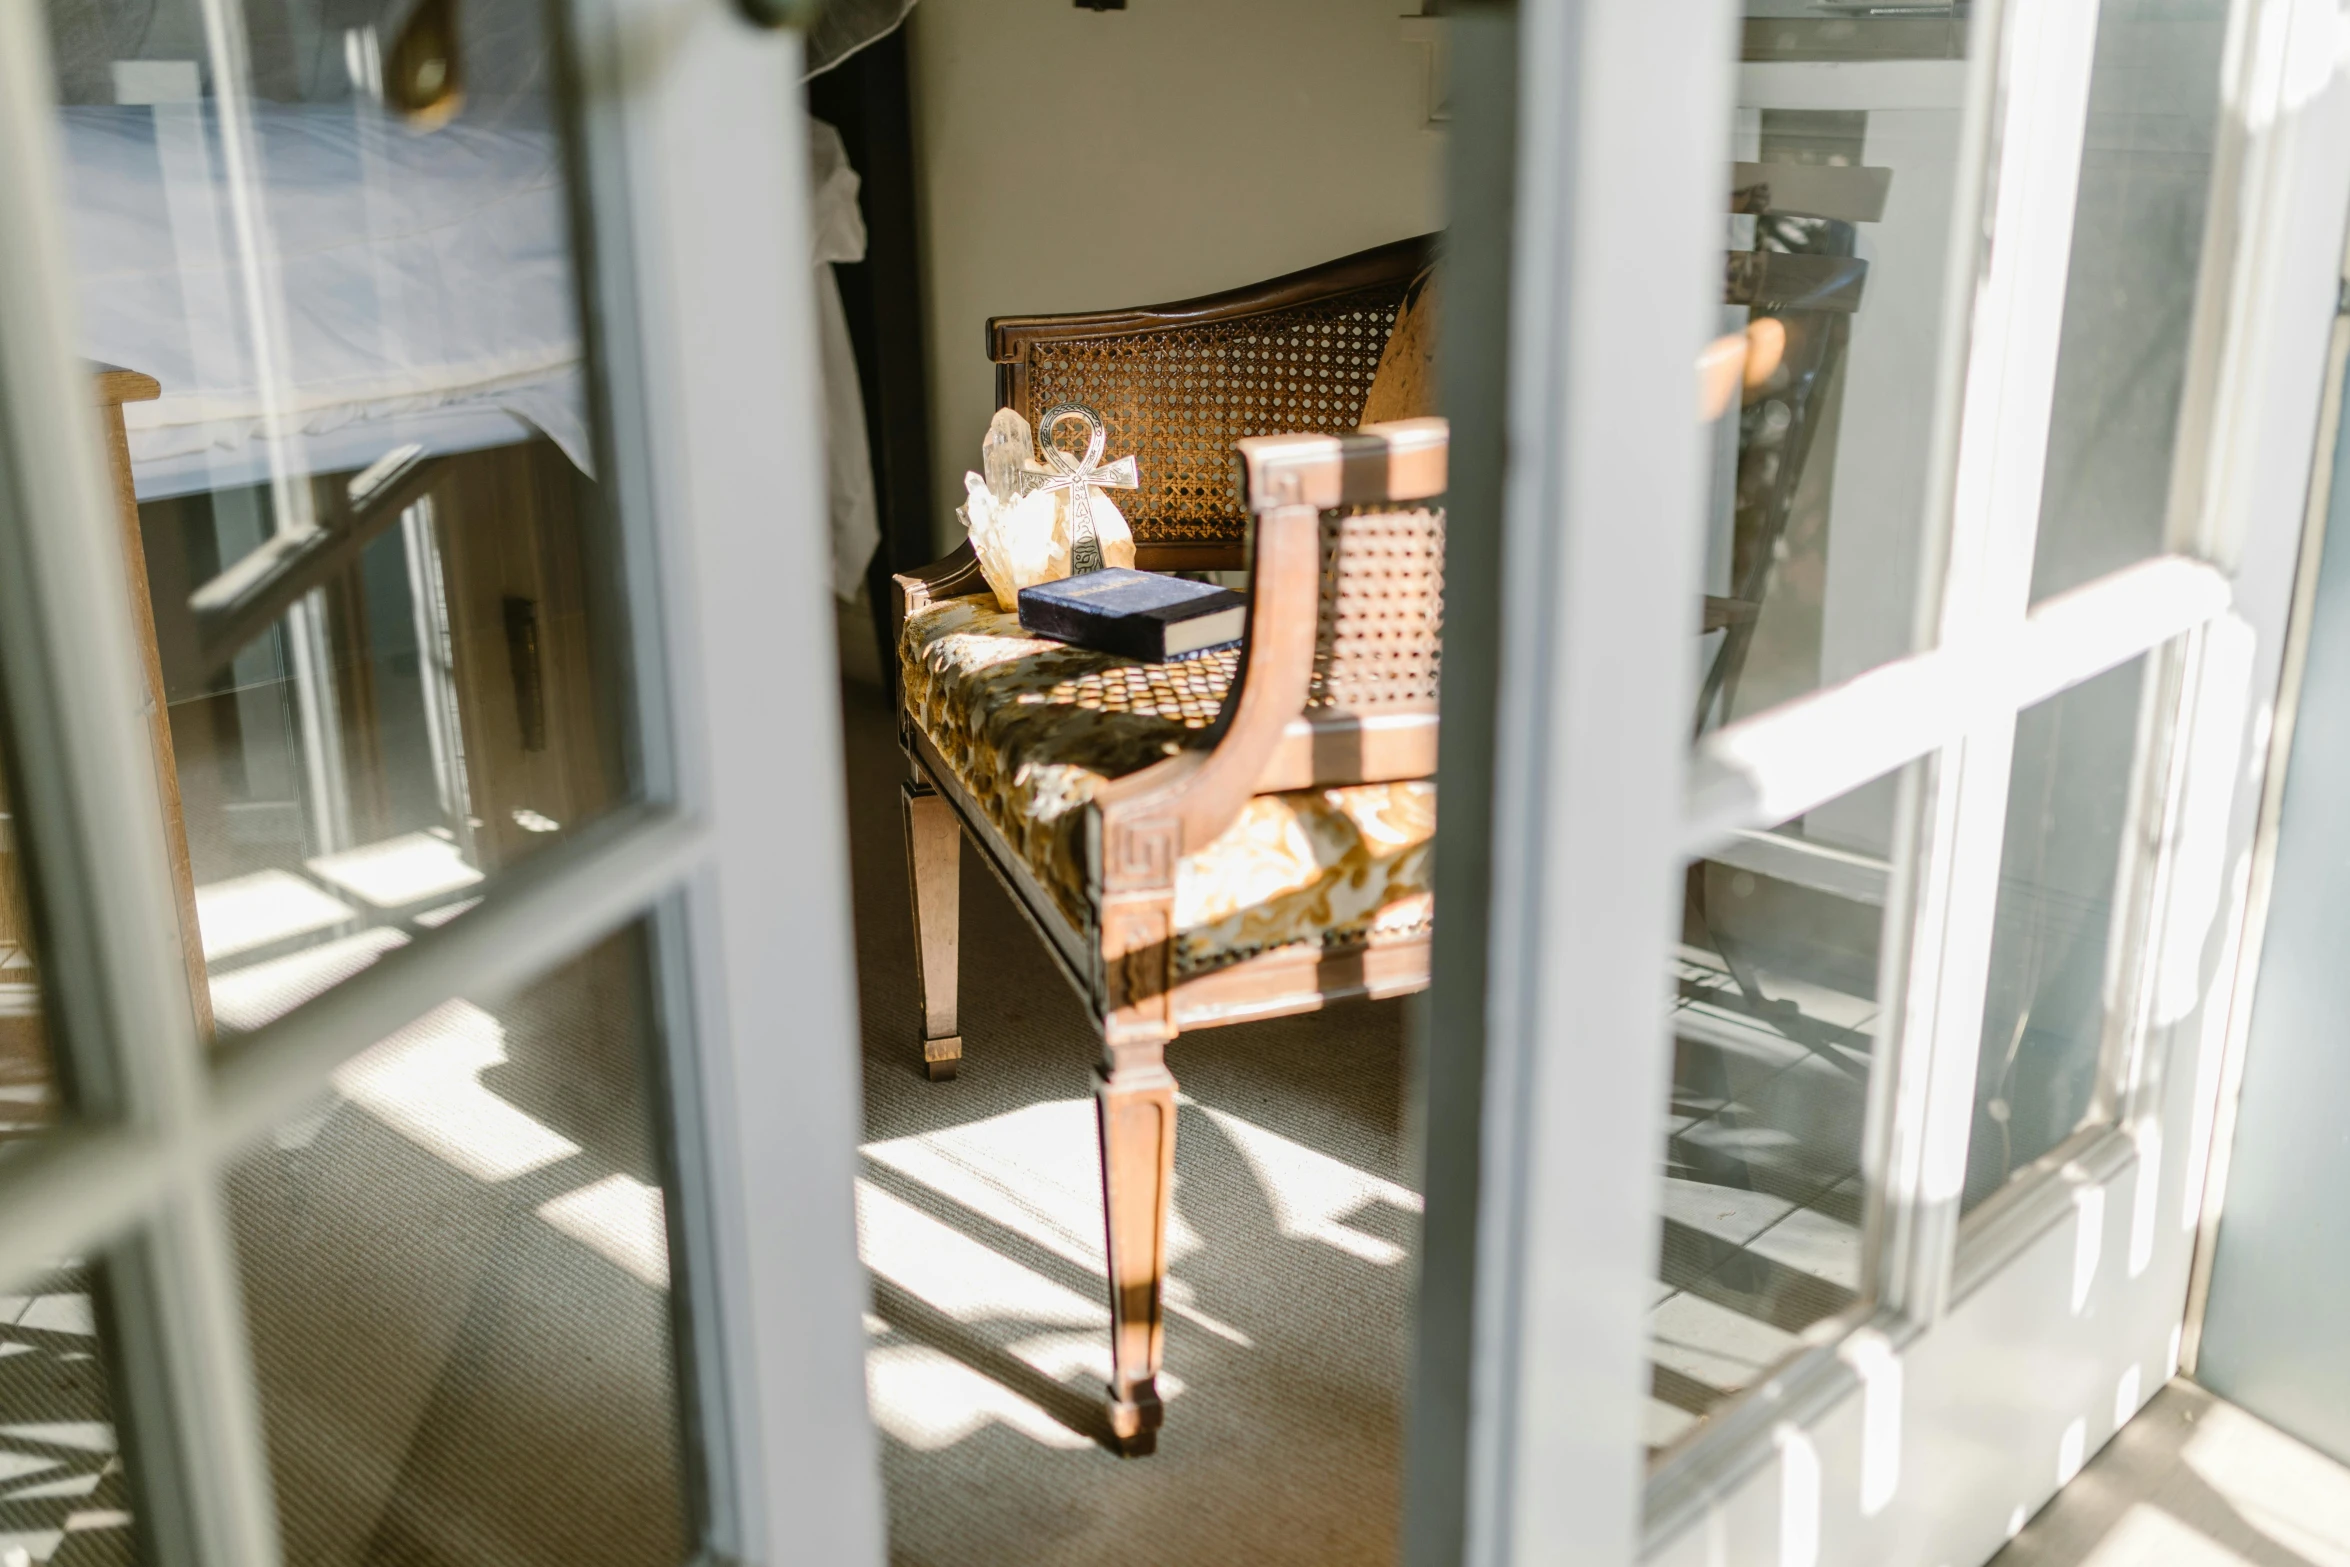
1032, 728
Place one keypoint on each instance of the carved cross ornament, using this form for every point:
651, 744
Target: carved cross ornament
1081, 476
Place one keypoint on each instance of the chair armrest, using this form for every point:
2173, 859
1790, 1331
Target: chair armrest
950, 577
1153, 818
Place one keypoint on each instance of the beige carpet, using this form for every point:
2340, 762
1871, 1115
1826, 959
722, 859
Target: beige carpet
458, 1286
981, 1220
457, 1281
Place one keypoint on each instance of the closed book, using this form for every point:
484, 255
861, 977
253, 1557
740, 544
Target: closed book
1143, 615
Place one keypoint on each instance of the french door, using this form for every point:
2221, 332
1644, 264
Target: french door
1918, 965
427, 1038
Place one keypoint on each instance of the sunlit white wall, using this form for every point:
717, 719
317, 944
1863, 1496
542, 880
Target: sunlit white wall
1081, 160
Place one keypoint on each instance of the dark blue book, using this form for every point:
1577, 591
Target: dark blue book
1144, 615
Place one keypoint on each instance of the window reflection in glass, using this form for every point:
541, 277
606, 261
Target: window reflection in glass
2049, 997
2129, 296
31, 1099
1776, 1023
65, 1498
326, 284
1846, 139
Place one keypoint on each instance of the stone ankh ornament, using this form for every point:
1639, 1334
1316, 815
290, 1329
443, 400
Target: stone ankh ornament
1081, 476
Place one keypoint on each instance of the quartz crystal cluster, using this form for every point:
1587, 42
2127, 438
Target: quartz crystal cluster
1018, 510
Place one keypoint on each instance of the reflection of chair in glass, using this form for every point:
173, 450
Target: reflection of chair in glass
1802, 273
1239, 837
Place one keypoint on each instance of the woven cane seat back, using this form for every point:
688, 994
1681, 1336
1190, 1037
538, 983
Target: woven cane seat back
1177, 385
1179, 399
1382, 611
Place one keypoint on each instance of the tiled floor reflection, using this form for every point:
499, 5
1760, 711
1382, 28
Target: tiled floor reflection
30, 1100
63, 1500
1762, 1190
28, 1089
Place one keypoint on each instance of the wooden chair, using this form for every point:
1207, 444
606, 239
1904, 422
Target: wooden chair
1136, 813
1145, 818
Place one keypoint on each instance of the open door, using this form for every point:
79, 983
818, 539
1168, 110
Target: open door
1916, 968
427, 1028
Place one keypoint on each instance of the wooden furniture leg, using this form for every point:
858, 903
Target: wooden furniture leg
1134, 1103
934, 868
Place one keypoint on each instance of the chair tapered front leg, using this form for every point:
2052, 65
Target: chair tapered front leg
1134, 1101
934, 867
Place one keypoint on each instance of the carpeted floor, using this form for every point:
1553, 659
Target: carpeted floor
980, 1216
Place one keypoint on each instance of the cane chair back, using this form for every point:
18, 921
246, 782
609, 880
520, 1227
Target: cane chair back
1377, 646
1177, 385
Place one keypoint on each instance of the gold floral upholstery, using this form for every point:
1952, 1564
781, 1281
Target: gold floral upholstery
1031, 728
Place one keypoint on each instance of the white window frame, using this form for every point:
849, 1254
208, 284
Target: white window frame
1926, 1424
692, 170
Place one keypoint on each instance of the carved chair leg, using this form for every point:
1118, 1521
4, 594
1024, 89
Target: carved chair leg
934, 866
1134, 1101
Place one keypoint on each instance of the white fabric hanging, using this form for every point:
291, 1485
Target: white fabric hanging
837, 229
843, 27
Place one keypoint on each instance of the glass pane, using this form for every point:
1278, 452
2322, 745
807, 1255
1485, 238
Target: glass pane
326, 250
1775, 1033
457, 1273
2129, 299
1841, 199
2045, 1010
64, 1498
31, 1097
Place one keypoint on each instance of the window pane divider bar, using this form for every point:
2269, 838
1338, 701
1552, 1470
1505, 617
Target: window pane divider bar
1737, 1441
2044, 61
114, 973
74, 1188
1777, 765
186, 1344
80, 1186
530, 918
2040, 1196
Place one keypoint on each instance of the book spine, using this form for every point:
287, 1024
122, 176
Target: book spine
1139, 637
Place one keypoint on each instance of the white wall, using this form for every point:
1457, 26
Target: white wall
1082, 160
